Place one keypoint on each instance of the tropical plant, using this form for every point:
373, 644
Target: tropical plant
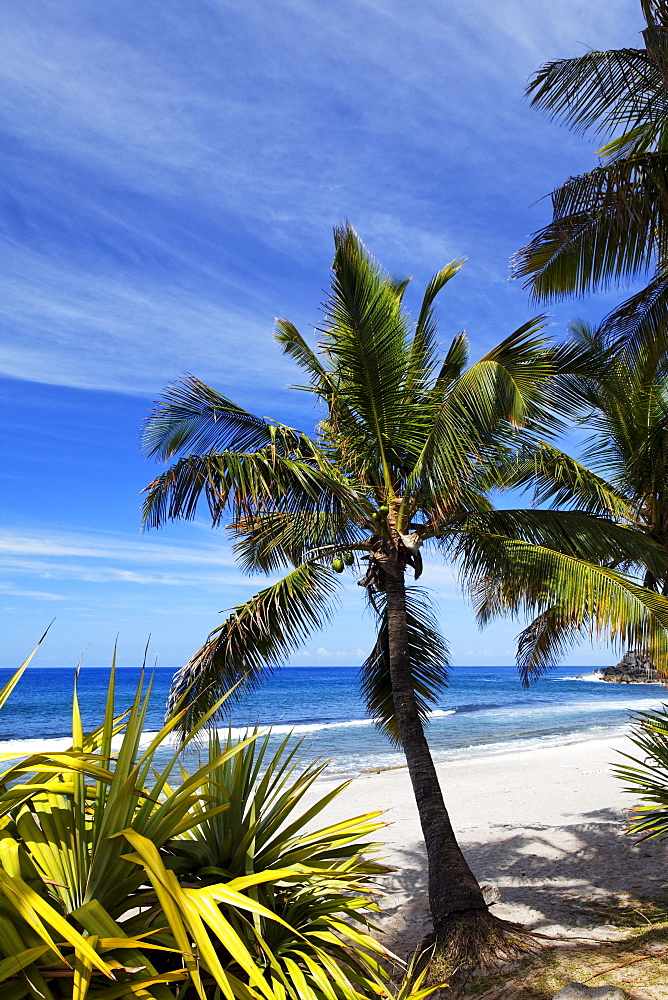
406, 455
113, 882
251, 825
623, 474
646, 777
610, 224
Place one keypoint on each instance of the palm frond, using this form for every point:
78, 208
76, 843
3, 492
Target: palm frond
269, 542
294, 345
429, 663
451, 369
544, 642
601, 90
193, 416
256, 638
501, 391
508, 576
642, 319
243, 483
573, 532
423, 346
357, 447
366, 336
562, 481
577, 366
646, 775
606, 225
506, 387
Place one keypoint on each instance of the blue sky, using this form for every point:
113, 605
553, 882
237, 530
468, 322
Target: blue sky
171, 175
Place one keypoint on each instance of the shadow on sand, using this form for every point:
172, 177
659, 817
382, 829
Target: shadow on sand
566, 880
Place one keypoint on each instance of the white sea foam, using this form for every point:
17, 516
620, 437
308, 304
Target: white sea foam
580, 708
597, 677
12, 749
298, 728
23, 748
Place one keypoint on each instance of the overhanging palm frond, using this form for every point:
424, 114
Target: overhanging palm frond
269, 542
193, 416
642, 319
429, 662
546, 640
577, 366
584, 536
257, 637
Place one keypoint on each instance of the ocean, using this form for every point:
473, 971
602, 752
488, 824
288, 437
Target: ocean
483, 711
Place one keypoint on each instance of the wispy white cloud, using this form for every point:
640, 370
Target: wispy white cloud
116, 558
38, 595
166, 173
73, 327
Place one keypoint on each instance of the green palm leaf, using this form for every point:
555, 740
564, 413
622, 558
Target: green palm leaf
604, 91
547, 639
593, 539
606, 227
506, 575
562, 481
270, 542
423, 357
245, 482
193, 416
256, 638
641, 319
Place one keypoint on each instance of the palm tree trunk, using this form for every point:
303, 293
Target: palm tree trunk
453, 889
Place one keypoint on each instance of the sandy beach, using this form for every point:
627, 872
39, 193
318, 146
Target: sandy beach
545, 826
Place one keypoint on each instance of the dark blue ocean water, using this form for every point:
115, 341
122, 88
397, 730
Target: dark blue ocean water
484, 710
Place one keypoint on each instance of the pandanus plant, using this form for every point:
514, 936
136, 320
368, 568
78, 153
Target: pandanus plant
409, 448
118, 881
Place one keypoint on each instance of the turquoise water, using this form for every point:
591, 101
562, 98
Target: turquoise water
484, 710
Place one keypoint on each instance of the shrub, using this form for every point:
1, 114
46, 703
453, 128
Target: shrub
646, 777
116, 882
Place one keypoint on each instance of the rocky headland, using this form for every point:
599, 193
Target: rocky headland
635, 667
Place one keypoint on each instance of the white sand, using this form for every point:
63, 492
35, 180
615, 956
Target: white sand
546, 826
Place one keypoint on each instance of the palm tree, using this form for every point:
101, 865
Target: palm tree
405, 456
610, 224
623, 475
